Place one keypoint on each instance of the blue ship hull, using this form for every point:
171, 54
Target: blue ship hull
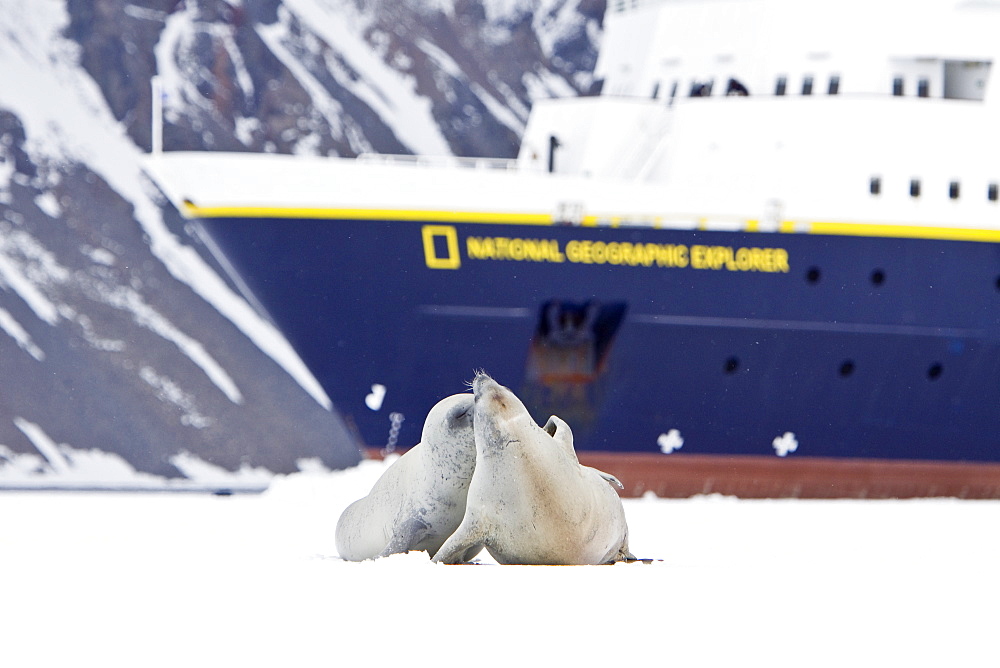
777, 345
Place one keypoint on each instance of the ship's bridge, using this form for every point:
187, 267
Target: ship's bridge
667, 49
771, 110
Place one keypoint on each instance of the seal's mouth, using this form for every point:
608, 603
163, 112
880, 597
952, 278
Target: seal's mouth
479, 383
485, 388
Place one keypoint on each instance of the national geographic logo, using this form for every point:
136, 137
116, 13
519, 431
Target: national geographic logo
441, 247
442, 251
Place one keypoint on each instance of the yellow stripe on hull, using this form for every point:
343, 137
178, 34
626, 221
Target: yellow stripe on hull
449, 216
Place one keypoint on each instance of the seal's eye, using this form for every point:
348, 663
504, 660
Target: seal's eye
461, 412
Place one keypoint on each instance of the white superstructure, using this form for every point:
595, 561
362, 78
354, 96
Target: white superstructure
757, 113
855, 117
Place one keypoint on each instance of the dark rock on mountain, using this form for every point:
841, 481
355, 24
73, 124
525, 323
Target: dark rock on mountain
453, 58
116, 355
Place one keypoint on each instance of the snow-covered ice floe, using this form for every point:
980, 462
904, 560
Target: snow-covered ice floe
168, 580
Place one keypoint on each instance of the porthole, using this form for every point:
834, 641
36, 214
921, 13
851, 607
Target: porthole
878, 277
934, 371
846, 368
732, 365
813, 275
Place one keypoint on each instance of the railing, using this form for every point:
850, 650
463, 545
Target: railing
502, 164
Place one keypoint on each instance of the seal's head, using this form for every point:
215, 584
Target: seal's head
449, 422
501, 419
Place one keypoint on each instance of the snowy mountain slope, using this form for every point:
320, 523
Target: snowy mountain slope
337, 76
118, 337
122, 351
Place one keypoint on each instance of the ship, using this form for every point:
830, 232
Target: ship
763, 261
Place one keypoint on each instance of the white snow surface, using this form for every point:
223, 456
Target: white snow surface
254, 580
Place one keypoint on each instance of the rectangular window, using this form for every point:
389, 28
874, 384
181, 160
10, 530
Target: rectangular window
875, 185
992, 192
781, 85
923, 87
953, 190
807, 85
834, 86
914, 187
897, 86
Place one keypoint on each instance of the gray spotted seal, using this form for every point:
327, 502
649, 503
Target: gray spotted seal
420, 500
530, 500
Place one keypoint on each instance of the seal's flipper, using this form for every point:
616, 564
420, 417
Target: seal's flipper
560, 432
624, 554
613, 480
462, 545
406, 536
471, 553
607, 476
621, 553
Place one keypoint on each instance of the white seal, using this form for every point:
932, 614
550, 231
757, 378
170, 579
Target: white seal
531, 501
420, 500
